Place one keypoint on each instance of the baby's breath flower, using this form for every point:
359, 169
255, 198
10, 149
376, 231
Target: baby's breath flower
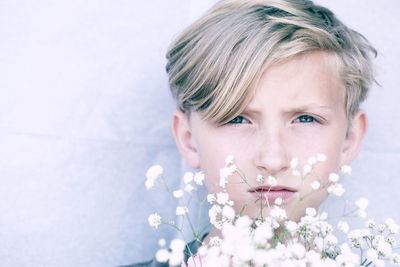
229, 160
370, 223
189, 188
393, 227
391, 240
291, 226
381, 228
384, 248
181, 210
199, 178
177, 193
346, 169
396, 258
154, 220
215, 241
161, 242
162, 255
272, 181
188, 177
372, 254
228, 212
343, 226
362, 203
278, 213
312, 160
260, 178
336, 189
315, 185
321, 157
149, 183
311, 212
224, 173
222, 198
278, 201
211, 198
306, 169
177, 245
154, 172
294, 162
176, 258
333, 177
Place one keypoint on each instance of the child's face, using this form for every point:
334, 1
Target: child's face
298, 111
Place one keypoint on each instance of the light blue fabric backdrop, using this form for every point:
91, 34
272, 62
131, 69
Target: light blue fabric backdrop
85, 110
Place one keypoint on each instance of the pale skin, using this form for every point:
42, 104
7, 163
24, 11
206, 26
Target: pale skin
298, 110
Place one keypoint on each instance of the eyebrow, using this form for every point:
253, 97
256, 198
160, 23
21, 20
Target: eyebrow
291, 110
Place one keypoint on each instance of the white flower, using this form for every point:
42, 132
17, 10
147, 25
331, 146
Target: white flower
343, 226
384, 248
272, 181
154, 220
176, 258
370, 223
260, 178
177, 245
181, 210
333, 177
306, 169
278, 201
278, 213
243, 222
321, 157
188, 177
211, 198
381, 228
222, 198
162, 255
229, 160
346, 169
372, 254
315, 185
154, 172
362, 203
149, 183
311, 212
177, 193
393, 227
298, 250
224, 173
199, 178
215, 241
161, 242
189, 188
312, 160
294, 162
395, 258
336, 189
228, 212
291, 226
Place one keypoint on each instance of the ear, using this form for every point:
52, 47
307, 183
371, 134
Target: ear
354, 138
184, 140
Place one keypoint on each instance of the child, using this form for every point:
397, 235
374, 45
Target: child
268, 81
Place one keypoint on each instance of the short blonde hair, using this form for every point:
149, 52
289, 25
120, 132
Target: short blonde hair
214, 64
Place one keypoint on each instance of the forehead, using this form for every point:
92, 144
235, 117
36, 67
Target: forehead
308, 79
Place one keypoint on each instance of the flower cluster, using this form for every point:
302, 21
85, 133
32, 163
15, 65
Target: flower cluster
275, 240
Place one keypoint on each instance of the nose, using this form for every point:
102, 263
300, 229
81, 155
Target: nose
271, 155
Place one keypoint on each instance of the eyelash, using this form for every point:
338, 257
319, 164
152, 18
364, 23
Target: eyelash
304, 116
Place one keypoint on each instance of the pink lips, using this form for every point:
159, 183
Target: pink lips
270, 193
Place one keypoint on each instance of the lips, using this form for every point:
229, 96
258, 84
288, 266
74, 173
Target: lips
271, 193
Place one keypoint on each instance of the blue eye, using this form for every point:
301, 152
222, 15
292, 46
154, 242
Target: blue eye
306, 119
239, 120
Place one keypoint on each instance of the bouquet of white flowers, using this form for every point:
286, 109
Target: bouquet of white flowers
274, 239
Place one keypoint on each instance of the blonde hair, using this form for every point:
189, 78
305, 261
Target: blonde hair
214, 64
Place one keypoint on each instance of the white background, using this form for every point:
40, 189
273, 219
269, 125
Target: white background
85, 110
